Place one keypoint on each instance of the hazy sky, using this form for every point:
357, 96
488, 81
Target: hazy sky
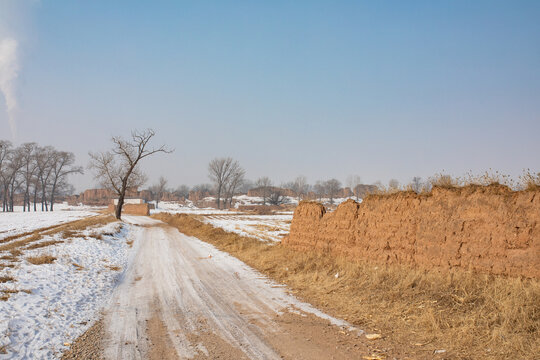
383, 89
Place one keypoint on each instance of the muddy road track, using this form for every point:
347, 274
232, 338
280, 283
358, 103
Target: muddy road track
181, 298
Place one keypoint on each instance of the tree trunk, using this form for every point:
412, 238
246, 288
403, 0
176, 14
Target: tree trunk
118, 210
218, 196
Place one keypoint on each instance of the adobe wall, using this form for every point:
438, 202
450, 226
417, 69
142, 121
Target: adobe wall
487, 229
132, 209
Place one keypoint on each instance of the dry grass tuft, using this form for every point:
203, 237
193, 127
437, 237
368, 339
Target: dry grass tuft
41, 259
77, 266
4, 279
472, 316
113, 267
43, 244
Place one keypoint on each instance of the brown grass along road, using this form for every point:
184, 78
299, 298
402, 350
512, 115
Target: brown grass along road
419, 313
181, 298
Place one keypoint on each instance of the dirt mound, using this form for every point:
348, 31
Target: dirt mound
483, 228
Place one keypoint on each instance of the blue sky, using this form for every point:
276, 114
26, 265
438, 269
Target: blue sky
383, 89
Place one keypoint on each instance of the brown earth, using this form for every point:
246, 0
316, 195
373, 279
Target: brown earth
132, 209
482, 228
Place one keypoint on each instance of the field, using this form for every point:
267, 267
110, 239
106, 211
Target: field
54, 280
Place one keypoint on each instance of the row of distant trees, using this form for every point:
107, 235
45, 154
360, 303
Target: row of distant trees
38, 173
228, 178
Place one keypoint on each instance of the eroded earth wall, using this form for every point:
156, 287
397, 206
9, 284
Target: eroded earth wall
483, 228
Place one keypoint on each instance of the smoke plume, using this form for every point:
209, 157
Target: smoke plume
9, 70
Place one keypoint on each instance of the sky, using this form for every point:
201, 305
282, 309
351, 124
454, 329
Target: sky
381, 89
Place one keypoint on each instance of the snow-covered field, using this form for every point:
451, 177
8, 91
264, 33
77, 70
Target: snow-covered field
262, 227
18, 222
50, 305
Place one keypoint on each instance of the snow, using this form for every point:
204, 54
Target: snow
261, 227
64, 298
19, 222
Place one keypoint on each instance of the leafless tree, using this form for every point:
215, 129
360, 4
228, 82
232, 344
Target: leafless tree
352, 182
118, 169
44, 160
220, 171
417, 184
276, 196
300, 187
235, 181
62, 165
28, 171
5, 153
159, 189
332, 187
264, 184
320, 189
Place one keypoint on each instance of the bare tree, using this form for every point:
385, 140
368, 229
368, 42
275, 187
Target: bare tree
276, 196
352, 182
117, 169
235, 181
320, 189
159, 189
417, 184
44, 159
29, 171
332, 187
264, 183
62, 165
5, 153
220, 171
301, 187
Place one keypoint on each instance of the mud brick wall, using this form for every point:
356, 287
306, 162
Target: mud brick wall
482, 228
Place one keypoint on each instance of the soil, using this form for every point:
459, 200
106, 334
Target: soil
182, 299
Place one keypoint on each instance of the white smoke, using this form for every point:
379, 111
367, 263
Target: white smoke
9, 70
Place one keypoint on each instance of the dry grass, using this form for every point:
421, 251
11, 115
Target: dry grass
113, 267
4, 279
42, 244
28, 241
472, 316
41, 259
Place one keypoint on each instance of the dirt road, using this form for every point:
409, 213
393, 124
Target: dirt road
181, 298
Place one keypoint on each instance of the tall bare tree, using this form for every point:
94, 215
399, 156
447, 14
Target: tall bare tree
118, 169
44, 159
352, 182
220, 171
5, 151
62, 165
264, 184
301, 187
320, 189
29, 171
159, 189
235, 181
